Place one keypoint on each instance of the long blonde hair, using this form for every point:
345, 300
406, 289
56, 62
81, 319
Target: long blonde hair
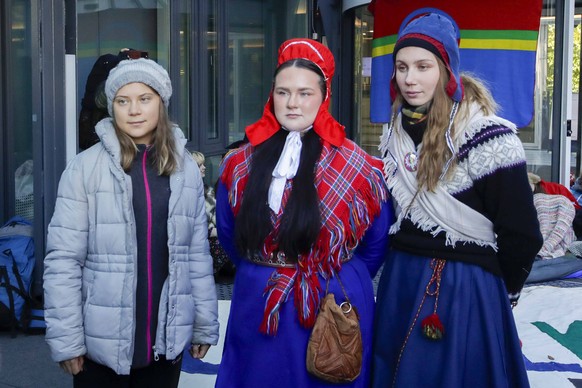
198, 157
164, 145
435, 152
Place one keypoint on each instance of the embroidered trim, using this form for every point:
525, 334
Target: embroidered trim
497, 153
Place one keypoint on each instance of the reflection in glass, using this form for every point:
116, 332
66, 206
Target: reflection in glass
185, 26
19, 115
255, 31
537, 136
106, 27
366, 134
212, 68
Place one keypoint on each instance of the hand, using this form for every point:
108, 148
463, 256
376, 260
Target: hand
199, 350
513, 298
73, 366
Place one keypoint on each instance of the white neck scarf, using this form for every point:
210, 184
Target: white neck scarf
286, 168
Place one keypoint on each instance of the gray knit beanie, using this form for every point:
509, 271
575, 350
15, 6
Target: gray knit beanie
138, 70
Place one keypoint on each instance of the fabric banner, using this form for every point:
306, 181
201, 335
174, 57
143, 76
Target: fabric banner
498, 44
549, 325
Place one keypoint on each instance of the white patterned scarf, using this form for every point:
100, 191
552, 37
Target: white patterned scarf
436, 211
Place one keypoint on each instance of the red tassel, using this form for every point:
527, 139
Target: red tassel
432, 327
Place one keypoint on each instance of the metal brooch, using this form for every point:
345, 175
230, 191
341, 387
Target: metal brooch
411, 161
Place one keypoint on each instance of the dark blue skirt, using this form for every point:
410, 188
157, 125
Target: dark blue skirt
480, 346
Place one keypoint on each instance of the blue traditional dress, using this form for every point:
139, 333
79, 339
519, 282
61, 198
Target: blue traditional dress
274, 302
254, 359
443, 314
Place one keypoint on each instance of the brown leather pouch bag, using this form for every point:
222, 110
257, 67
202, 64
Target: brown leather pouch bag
334, 351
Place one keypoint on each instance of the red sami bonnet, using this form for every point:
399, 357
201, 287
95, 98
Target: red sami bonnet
324, 125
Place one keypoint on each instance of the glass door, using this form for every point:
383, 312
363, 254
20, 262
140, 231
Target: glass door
104, 29
18, 91
366, 134
538, 137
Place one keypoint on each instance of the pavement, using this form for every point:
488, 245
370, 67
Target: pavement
25, 360
25, 363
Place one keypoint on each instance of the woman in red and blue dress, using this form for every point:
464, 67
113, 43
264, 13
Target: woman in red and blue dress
297, 205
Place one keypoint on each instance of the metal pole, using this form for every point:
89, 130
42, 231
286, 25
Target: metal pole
561, 109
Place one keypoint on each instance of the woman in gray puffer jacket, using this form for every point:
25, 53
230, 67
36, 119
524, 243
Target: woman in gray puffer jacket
128, 276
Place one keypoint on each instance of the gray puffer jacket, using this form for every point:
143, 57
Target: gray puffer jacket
91, 261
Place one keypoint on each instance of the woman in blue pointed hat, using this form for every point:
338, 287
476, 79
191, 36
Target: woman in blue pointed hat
466, 231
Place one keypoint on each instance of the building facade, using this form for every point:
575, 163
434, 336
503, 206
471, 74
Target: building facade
220, 55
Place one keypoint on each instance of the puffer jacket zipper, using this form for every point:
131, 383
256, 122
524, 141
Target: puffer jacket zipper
148, 253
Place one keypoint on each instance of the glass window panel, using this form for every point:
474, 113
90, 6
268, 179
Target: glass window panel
212, 68
537, 136
19, 109
255, 31
185, 68
366, 134
108, 27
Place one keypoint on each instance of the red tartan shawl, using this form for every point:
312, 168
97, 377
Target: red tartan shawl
351, 191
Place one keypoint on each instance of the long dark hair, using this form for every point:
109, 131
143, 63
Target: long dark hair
300, 223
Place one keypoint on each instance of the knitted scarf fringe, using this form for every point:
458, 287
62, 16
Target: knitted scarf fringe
476, 123
279, 284
338, 237
307, 289
324, 258
227, 176
416, 215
